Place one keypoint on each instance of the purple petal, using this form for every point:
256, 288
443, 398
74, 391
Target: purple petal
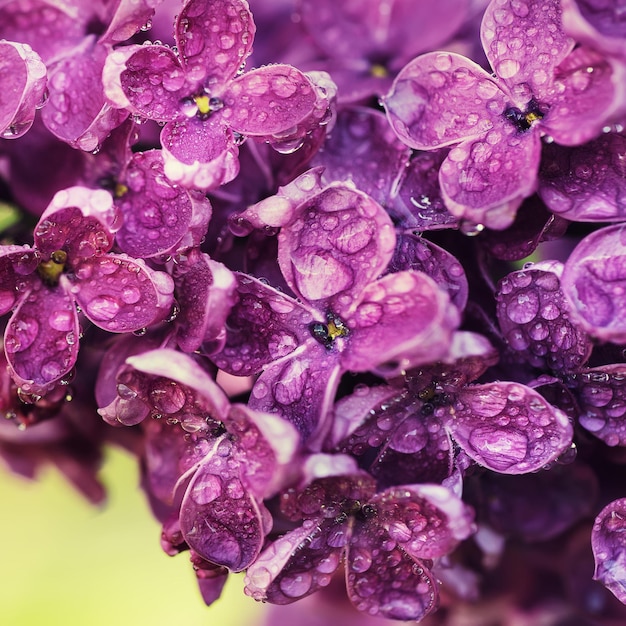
128, 18
206, 293
41, 339
586, 98
157, 214
23, 77
484, 181
211, 578
17, 264
404, 319
339, 242
77, 111
268, 101
524, 42
442, 98
387, 583
585, 183
602, 399
416, 253
534, 320
509, 428
298, 563
609, 550
219, 519
121, 294
200, 154
214, 38
593, 284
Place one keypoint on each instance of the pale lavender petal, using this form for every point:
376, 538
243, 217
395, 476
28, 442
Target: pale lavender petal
121, 294
586, 98
129, 16
442, 98
508, 427
485, 180
602, 400
593, 283
41, 339
339, 242
23, 78
609, 548
219, 519
17, 264
534, 320
214, 38
200, 154
402, 320
585, 183
524, 42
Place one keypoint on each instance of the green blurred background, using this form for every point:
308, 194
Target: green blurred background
65, 562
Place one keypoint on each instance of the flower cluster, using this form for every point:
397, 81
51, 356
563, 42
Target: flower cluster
349, 279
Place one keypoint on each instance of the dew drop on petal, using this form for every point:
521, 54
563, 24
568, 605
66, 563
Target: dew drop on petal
103, 308
296, 586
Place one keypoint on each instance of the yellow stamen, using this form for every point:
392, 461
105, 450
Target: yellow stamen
379, 71
52, 269
120, 190
533, 116
202, 102
335, 330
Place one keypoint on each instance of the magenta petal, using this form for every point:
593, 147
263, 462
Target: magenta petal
128, 18
585, 183
206, 293
121, 294
387, 583
17, 264
609, 549
200, 154
403, 320
23, 79
485, 180
442, 98
214, 38
41, 339
594, 281
268, 100
509, 428
524, 42
339, 242
211, 578
219, 519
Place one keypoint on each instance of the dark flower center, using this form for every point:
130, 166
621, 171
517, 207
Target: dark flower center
523, 120
51, 270
355, 509
327, 333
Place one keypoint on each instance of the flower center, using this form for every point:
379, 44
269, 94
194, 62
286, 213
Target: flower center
523, 120
201, 105
51, 270
327, 333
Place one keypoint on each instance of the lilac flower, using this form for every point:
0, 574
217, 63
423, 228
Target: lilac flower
206, 103
208, 462
24, 79
387, 539
334, 243
542, 86
70, 265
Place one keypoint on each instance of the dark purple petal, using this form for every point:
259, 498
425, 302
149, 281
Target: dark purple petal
157, 215
586, 183
77, 110
17, 264
211, 578
23, 78
298, 563
593, 283
534, 320
387, 583
442, 98
121, 294
402, 320
219, 518
524, 42
214, 38
485, 180
128, 18
609, 549
416, 253
200, 154
586, 98
602, 399
508, 427
206, 293
41, 339
339, 242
